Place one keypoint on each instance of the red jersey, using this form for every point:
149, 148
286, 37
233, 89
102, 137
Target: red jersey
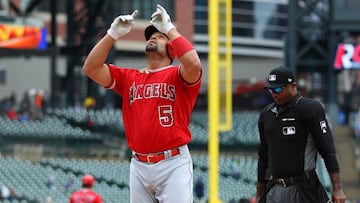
85, 196
156, 107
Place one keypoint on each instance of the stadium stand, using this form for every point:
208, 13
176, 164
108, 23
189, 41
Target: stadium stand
60, 127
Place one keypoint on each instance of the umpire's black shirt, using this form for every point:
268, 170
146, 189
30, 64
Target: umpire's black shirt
291, 136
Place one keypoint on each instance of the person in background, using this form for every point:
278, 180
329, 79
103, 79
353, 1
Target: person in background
25, 103
5, 192
89, 102
293, 130
86, 194
51, 182
12, 114
199, 189
69, 185
12, 195
24, 117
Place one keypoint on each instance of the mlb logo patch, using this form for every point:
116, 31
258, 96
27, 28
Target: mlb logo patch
288, 131
272, 77
323, 126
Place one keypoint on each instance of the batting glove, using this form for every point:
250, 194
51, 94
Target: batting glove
122, 25
161, 20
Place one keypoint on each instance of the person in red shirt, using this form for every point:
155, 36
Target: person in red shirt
86, 194
157, 102
12, 114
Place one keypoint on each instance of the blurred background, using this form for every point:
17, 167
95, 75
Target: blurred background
56, 124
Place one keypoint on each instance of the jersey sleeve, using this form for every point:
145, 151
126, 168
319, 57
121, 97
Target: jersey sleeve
71, 199
262, 152
319, 129
197, 83
98, 199
117, 78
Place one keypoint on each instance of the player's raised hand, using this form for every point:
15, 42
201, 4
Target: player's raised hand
161, 20
122, 25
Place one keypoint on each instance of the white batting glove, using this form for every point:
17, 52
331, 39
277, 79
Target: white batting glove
161, 20
122, 25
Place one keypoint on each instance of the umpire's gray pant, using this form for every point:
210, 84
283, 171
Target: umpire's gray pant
299, 193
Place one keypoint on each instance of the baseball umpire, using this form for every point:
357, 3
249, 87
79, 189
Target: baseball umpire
86, 194
293, 130
157, 105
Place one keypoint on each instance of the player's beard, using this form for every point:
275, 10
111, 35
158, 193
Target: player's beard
151, 47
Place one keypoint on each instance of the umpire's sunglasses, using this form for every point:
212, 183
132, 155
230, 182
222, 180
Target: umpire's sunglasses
276, 90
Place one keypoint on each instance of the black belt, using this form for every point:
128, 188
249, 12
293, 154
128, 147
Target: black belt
286, 182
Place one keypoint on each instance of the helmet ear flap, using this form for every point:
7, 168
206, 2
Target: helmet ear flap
170, 50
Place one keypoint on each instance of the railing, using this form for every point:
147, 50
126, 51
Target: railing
259, 27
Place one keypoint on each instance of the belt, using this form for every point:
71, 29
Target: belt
156, 157
286, 182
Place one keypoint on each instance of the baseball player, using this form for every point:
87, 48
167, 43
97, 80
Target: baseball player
157, 104
86, 194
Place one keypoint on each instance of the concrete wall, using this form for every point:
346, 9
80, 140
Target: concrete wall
23, 74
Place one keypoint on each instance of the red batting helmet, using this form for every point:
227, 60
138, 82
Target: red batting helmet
88, 180
169, 48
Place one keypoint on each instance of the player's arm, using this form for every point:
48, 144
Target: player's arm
98, 199
322, 135
94, 65
190, 69
320, 131
338, 194
262, 161
190, 62
71, 199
